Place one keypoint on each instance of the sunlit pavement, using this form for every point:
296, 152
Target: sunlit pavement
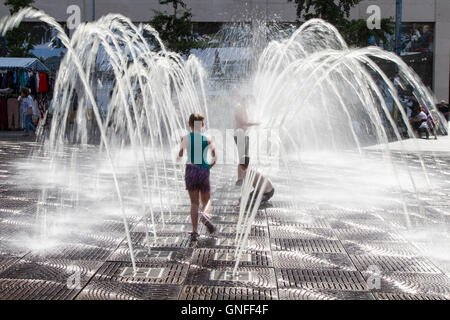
318, 248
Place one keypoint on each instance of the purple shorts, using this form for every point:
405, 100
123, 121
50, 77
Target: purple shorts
197, 178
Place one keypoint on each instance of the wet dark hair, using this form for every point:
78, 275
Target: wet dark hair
25, 91
194, 118
415, 110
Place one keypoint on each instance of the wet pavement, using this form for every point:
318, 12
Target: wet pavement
313, 249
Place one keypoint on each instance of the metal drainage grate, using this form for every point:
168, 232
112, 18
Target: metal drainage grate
161, 241
15, 289
295, 222
220, 276
52, 270
12, 232
255, 231
229, 211
224, 257
317, 294
414, 283
11, 250
109, 227
363, 225
366, 235
175, 228
225, 202
71, 251
253, 243
185, 218
279, 211
225, 242
16, 204
220, 210
227, 275
6, 262
307, 245
233, 219
230, 256
228, 219
115, 290
227, 293
380, 248
102, 240
144, 255
296, 259
172, 273
321, 279
403, 296
170, 227
146, 273
293, 232
395, 264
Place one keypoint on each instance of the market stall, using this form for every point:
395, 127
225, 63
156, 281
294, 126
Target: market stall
18, 73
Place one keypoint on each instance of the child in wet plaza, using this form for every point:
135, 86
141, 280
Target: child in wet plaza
258, 182
197, 146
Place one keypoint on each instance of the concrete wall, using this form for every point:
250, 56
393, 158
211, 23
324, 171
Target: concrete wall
231, 10
56, 8
142, 10
442, 50
413, 10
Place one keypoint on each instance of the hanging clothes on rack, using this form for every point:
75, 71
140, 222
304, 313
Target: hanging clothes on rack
3, 113
36, 75
13, 113
32, 84
43, 82
6, 80
24, 79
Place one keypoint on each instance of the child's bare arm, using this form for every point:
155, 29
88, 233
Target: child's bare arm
213, 152
182, 147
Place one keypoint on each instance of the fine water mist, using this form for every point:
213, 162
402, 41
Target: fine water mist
322, 102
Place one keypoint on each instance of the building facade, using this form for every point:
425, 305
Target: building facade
417, 16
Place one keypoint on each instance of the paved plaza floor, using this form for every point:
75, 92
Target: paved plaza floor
314, 250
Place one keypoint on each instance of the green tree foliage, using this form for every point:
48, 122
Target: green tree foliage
329, 10
175, 28
16, 5
18, 42
355, 32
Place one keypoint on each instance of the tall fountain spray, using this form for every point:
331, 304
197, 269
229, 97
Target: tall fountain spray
326, 102
151, 96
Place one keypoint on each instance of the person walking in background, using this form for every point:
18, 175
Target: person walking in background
197, 172
26, 110
425, 41
418, 117
241, 138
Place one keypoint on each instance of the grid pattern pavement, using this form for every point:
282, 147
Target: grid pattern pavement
312, 251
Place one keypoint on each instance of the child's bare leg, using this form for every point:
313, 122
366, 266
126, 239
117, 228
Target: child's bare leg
195, 204
206, 202
240, 173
